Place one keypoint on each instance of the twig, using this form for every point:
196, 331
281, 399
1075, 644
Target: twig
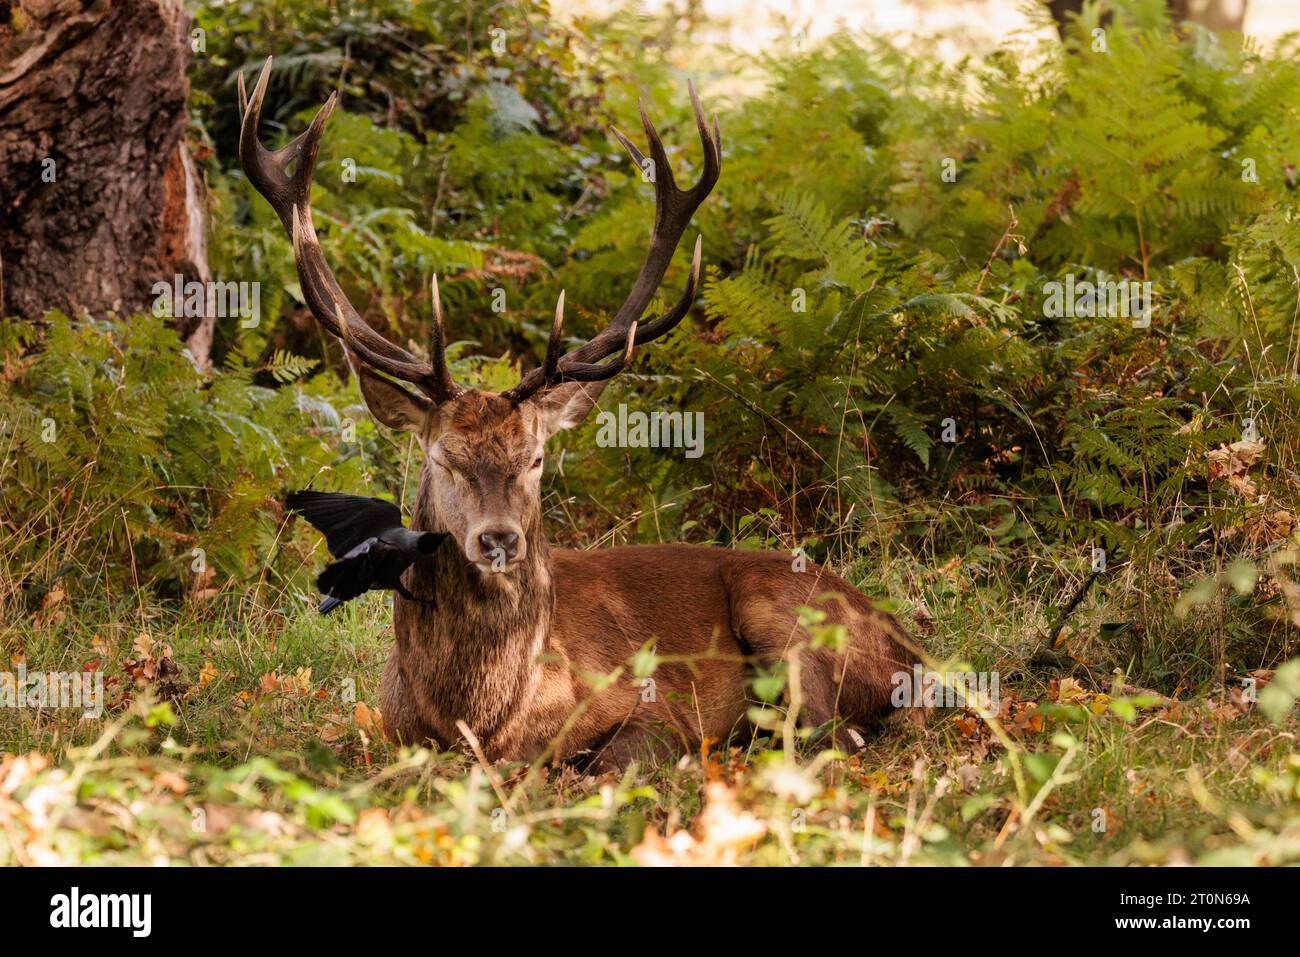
1006, 234
1068, 610
493, 778
1046, 655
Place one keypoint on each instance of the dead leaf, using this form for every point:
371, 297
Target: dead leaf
202, 586
1070, 691
219, 818
1232, 462
154, 664
172, 781
332, 729
369, 721
724, 830
49, 613
923, 617
373, 825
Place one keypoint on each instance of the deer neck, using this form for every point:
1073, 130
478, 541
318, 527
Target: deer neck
473, 651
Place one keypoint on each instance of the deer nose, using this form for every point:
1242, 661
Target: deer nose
499, 542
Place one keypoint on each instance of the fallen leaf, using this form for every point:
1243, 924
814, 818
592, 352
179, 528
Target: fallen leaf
724, 830
172, 781
369, 721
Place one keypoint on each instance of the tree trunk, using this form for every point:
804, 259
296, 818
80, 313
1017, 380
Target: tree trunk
99, 197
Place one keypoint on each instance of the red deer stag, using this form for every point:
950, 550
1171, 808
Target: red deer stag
519, 628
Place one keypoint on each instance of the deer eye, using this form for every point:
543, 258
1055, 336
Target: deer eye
538, 463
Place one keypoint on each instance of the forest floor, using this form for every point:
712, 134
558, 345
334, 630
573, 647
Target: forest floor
236, 733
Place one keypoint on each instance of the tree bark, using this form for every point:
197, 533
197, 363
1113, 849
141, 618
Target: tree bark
99, 196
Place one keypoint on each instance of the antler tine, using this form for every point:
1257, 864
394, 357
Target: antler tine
712, 141
410, 370
290, 197
599, 371
549, 374
637, 156
662, 169
674, 208
552, 373
267, 169
438, 345
665, 323
552, 365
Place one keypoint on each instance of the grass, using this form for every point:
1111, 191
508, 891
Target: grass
241, 729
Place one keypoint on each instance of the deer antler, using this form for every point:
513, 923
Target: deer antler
290, 197
673, 211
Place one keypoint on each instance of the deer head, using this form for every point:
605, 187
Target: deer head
482, 450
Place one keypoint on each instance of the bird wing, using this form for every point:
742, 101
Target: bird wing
372, 565
346, 521
351, 575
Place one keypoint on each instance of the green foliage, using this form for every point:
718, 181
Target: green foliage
873, 353
124, 466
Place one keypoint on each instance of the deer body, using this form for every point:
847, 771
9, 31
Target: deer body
529, 647
515, 663
515, 666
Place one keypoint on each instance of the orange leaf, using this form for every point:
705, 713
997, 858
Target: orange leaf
172, 781
369, 721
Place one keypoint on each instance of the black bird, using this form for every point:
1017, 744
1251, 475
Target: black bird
367, 538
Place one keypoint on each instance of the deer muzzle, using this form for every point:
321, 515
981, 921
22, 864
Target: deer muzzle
496, 547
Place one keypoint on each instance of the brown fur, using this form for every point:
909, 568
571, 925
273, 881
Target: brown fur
512, 655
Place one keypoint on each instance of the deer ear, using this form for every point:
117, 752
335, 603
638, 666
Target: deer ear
567, 404
391, 404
